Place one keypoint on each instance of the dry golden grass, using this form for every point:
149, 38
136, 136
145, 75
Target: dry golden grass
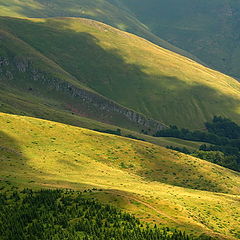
150, 181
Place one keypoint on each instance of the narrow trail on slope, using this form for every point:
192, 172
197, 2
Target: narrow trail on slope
223, 237
145, 204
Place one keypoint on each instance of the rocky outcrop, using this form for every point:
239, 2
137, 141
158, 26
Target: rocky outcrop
107, 105
82, 95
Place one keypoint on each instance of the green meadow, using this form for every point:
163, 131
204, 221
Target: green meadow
113, 13
153, 183
120, 66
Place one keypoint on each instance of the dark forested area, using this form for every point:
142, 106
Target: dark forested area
223, 136
59, 214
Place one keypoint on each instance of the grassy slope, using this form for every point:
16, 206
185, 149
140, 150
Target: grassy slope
207, 29
23, 102
17, 104
100, 10
32, 84
132, 71
142, 178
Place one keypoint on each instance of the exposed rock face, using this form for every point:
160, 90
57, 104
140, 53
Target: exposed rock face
84, 96
107, 105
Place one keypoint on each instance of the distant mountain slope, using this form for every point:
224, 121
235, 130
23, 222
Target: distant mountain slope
207, 29
110, 12
122, 67
154, 183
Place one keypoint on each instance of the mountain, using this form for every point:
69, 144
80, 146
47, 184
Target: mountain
94, 70
62, 75
156, 184
110, 12
33, 84
207, 29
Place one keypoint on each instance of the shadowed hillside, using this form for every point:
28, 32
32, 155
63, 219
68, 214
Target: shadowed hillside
129, 70
38, 80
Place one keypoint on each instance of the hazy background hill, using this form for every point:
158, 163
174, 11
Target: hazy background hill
207, 29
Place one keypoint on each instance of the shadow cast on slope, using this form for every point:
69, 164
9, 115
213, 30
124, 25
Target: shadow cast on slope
165, 98
43, 8
178, 169
16, 170
13, 162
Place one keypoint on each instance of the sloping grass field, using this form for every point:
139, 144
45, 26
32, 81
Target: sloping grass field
112, 13
129, 70
156, 184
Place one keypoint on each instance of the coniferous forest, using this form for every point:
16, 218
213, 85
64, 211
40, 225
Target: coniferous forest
58, 214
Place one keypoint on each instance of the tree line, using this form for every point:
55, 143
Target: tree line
223, 136
118, 132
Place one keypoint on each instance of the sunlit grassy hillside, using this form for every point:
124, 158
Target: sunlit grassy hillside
110, 12
206, 30
156, 184
130, 70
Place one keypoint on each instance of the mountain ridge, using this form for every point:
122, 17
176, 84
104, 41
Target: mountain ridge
73, 88
103, 11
